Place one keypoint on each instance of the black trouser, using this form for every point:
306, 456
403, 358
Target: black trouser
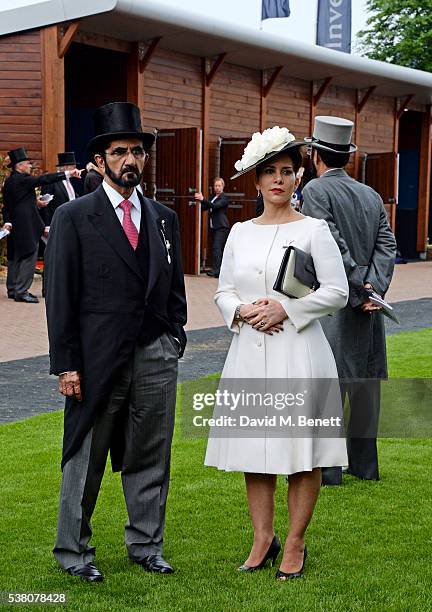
20, 274
220, 236
364, 400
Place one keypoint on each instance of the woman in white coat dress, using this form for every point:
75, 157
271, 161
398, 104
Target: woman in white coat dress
277, 338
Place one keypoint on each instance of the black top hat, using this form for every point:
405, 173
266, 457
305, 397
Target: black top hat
115, 121
16, 156
66, 159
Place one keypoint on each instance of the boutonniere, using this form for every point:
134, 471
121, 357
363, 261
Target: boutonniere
166, 241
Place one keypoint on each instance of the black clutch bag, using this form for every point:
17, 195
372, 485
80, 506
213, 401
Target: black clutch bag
296, 277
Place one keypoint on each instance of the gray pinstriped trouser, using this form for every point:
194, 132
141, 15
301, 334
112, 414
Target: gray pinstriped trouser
148, 381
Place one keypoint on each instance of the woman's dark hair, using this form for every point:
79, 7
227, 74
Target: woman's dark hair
334, 160
294, 154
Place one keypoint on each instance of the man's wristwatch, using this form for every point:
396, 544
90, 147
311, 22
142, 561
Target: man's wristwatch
237, 315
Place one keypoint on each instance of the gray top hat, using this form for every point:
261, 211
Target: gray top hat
332, 134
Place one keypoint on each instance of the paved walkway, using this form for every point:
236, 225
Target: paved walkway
23, 326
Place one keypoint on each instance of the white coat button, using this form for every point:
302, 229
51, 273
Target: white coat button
259, 343
260, 271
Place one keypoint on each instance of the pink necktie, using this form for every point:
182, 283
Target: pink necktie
128, 226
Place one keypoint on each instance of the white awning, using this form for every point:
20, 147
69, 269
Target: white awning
196, 34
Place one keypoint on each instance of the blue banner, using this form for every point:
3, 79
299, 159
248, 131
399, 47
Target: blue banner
334, 25
274, 9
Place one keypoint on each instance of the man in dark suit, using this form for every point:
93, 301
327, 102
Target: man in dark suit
62, 191
218, 221
21, 211
116, 308
358, 222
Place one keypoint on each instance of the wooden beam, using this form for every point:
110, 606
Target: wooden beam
103, 42
263, 103
65, 40
205, 126
312, 108
144, 61
321, 91
392, 218
135, 79
363, 101
404, 105
424, 180
53, 98
271, 81
212, 73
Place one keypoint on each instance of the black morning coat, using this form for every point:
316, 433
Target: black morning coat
217, 211
97, 297
61, 196
20, 209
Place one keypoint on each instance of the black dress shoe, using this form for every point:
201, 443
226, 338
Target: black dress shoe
11, 296
271, 554
27, 298
213, 274
88, 572
292, 575
156, 563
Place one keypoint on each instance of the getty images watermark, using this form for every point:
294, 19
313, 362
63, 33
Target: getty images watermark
237, 401
264, 408
306, 408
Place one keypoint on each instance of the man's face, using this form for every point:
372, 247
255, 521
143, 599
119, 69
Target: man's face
69, 167
218, 187
124, 162
24, 167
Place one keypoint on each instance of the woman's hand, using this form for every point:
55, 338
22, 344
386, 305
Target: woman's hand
265, 315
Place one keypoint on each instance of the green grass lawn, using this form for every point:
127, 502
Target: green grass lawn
369, 543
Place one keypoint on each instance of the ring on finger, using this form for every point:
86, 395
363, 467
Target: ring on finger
262, 323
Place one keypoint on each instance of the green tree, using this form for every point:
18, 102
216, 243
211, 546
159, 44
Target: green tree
399, 32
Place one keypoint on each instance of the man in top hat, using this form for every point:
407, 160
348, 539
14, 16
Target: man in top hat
116, 308
62, 191
358, 221
21, 211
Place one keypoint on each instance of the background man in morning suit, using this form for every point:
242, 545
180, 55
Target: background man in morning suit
218, 221
63, 191
358, 221
116, 309
21, 213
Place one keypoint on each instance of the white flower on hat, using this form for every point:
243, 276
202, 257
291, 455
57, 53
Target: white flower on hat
271, 140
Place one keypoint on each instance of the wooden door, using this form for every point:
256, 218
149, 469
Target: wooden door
178, 176
382, 175
241, 191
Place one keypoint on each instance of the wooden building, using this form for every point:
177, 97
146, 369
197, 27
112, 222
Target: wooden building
206, 87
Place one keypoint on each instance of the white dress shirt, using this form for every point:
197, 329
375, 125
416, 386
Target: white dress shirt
69, 189
116, 199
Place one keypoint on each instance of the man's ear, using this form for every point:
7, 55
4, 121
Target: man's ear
100, 162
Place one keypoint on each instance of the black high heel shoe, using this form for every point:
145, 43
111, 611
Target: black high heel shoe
272, 553
291, 575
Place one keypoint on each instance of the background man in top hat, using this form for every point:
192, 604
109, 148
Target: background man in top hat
116, 309
21, 211
358, 221
62, 191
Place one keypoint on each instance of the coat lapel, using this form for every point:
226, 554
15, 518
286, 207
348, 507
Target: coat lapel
106, 223
156, 247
